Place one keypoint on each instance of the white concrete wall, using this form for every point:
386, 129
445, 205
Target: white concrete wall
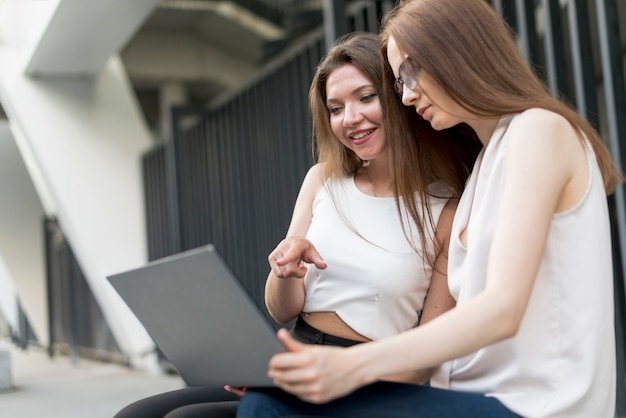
82, 139
22, 259
14, 15
87, 138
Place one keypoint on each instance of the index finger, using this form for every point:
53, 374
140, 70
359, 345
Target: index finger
292, 254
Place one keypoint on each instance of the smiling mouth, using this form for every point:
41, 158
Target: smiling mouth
421, 110
361, 135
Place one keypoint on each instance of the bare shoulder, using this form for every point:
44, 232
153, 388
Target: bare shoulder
540, 115
314, 180
303, 209
542, 125
540, 130
317, 170
546, 153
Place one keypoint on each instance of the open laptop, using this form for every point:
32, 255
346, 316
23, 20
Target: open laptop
201, 318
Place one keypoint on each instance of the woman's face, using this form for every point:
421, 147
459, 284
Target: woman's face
435, 106
356, 115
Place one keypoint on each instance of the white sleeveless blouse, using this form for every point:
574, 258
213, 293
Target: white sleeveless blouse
561, 363
374, 281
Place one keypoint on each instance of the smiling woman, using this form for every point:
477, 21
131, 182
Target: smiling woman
332, 227
356, 119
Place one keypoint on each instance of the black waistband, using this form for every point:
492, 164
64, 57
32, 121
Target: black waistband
305, 333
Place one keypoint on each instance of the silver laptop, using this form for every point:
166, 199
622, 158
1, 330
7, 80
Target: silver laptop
201, 318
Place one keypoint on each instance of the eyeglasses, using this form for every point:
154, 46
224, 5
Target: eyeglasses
409, 76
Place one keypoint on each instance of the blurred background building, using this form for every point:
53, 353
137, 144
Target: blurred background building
132, 130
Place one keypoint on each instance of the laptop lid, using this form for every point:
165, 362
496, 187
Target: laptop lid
201, 318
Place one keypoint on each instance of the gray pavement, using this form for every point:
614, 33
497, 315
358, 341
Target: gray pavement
57, 388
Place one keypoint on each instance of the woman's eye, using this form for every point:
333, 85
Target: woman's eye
368, 97
334, 109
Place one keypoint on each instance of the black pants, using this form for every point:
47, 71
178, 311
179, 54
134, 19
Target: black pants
187, 402
203, 402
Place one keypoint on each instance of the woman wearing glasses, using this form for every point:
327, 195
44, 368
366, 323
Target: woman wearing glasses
355, 266
530, 263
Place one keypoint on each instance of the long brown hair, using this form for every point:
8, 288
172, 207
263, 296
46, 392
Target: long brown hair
471, 53
416, 166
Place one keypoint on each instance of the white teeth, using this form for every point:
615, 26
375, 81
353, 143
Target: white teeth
362, 134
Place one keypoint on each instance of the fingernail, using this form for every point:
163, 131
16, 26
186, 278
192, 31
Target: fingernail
227, 389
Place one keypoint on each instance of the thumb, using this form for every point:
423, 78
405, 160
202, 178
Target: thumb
288, 341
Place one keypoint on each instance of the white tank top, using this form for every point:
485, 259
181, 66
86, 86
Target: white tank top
374, 281
561, 363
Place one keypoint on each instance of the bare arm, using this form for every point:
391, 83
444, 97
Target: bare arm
545, 173
438, 299
284, 288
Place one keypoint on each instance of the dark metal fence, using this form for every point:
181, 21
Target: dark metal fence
76, 324
231, 173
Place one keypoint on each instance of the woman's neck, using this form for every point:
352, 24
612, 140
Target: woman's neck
375, 179
484, 128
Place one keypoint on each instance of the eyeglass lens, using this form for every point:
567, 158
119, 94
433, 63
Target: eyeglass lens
409, 77
397, 85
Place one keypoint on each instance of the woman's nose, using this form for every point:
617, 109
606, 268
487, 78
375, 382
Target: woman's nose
352, 115
409, 96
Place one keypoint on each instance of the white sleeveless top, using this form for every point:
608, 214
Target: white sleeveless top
374, 281
561, 363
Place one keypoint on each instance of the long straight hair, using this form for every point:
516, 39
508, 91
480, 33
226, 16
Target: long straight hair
466, 47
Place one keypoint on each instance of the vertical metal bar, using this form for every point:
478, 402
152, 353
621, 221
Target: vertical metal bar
522, 29
216, 170
358, 19
615, 97
619, 316
548, 42
509, 13
334, 21
526, 28
372, 17
49, 284
171, 172
497, 6
248, 140
582, 60
21, 334
553, 44
203, 187
72, 302
386, 6
227, 185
